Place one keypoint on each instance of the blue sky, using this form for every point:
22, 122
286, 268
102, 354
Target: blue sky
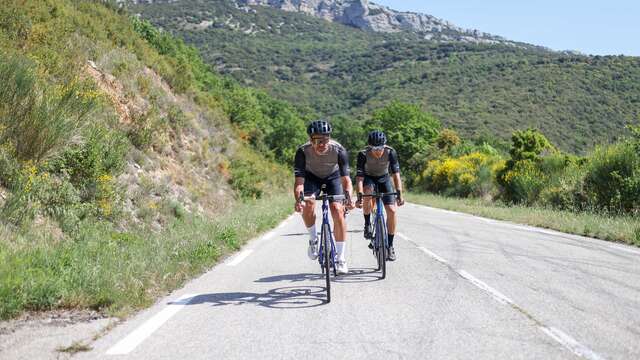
593, 27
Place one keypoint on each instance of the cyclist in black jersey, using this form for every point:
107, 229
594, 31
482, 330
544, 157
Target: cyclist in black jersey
323, 161
378, 164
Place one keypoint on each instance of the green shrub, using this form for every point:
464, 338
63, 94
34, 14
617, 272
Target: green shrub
447, 139
142, 129
409, 129
245, 179
38, 192
523, 177
523, 182
36, 120
102, 153
613, 178
564, 188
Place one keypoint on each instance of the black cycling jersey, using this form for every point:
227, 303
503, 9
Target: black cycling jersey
333, 163
368, 165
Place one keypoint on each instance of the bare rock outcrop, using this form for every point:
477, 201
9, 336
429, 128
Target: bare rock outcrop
366, 15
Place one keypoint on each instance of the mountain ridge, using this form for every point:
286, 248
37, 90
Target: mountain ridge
367, 15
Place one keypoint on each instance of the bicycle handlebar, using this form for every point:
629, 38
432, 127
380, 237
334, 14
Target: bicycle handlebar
303, 198
377, 195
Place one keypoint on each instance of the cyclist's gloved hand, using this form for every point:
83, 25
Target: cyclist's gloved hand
299, 203
349, 202
399, 198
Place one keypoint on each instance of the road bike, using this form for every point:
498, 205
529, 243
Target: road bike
327, 250
380, 240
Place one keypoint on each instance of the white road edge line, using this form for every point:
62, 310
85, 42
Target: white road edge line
625, 249
239, 258
570, 343
135, 338
559, 336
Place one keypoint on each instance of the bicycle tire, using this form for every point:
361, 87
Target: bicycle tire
326, 243
382, 260
374, 242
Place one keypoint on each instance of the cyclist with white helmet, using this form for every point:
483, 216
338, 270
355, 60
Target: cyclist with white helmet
378, 164
323, 161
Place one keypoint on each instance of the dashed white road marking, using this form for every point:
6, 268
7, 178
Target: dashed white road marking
558, 335
134, 339
501, 298
433, 255
424, 249
571, 343
238, 258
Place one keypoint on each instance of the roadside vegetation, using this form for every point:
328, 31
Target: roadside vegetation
103, 268
597, 195
126, 165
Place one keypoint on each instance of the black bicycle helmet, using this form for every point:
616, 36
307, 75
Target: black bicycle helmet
377, 138
320, 127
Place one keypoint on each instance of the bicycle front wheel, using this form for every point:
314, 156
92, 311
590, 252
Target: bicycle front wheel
381, 248
326, 253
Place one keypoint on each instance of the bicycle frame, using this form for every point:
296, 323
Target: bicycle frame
380, 217
325, 220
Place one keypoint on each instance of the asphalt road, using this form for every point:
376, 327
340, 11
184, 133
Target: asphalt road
463, 288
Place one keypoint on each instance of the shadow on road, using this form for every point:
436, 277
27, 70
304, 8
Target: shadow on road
305, 233
291, 278
293, 297
357, 275
290, 297
354, 275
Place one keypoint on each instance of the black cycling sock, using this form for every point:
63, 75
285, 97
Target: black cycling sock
390, 236
367, 219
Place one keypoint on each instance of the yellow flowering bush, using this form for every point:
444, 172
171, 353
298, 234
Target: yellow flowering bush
469, 175
38, 192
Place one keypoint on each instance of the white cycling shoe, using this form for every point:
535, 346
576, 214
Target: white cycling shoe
342, 268
312, 251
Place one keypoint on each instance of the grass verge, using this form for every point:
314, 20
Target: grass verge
624, 229
102, 268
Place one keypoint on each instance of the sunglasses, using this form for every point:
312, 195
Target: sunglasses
377, 148
320, 141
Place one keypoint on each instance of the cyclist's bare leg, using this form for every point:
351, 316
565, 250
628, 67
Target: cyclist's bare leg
367, 203
309, 213
391, 218
339, 223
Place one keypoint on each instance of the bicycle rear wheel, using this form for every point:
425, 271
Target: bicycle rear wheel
381, 248
326, 253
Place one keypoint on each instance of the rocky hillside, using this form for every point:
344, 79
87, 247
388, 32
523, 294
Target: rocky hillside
126, 164
366, 15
